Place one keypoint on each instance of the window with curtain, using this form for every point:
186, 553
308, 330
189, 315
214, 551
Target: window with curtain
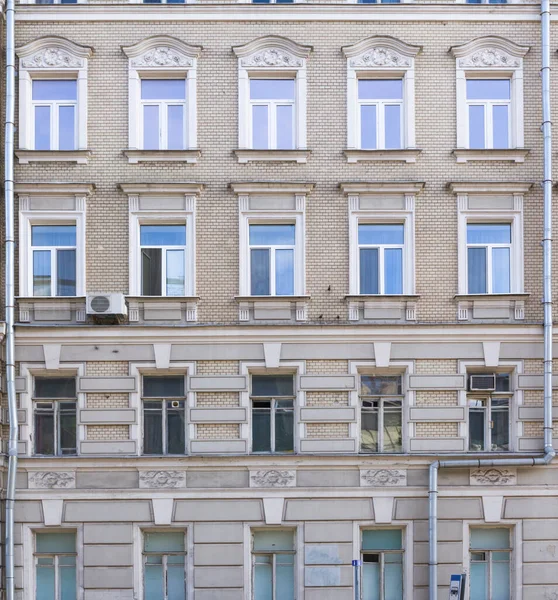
272, 105
380, 107
489, 250
163, 259
164, 414
382, 564
164, 565
54, 105
273, 565
486, 1
272, 259
381, 419
54, 260
55, 565
489, 111
272, 399
54, 416
380, 255
163, 109
490, 553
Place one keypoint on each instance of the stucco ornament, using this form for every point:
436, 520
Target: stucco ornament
381, 57
272, 478
489, 57
162, 56
52, 480
383, 478
162, 479
52, 58
271, 57
492, 476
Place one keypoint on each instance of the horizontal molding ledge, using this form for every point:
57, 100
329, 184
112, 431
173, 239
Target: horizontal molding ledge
437, 382
218, 383
345, 414
106, 416
106, 384
433, 414
327, 382
218, 415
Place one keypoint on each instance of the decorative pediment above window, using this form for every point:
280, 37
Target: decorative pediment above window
272, 52
53, 53
490, 52
381, 52
161, 52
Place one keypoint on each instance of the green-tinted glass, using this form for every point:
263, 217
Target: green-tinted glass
168, 541
382, 539
56, 543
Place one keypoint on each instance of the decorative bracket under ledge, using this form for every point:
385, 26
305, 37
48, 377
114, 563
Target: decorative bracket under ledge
406, 155
298, 156
464, 155
272, 308
185, 156
382, 307
81, 157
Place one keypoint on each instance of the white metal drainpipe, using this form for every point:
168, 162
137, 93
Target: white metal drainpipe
549, 452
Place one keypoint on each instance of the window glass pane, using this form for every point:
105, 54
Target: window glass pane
152, 429
273, 540
479, 581
176, 585
285, 578
151, 127
260, 127
376, 233
163, 387
369, 431
488, 89
284, 424
476, 270
45, 583
53, 235
503, 383
382, 539
66, 272
175, 273
392, 430
261, 430
260, 272
284, 272
66, 128
41, 273
285, 138
55, 387
393, 578
67, 412
151, 272
393, 126
380, 89
371, 580
167, 541
163, 89
369, 271
500, 581
68, 583
476, 127
163, 235
488, 233
42, 127
272, 385
272, 235
476, 430
153, 582
175, 430
44, 433
393, 275
263, 577
175, 128
380, 385
272, 89
490, 539
53, 89
52, 543
368, 127
500, 270
500, 127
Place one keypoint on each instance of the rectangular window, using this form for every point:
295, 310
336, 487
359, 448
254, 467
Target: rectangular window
163, 260
164, 422
55, 566
489, 109
54, 260
382, 564
380, 252
273, 413
272, 1
164, 565
381, 113
272, 259
490, 552
163, 106
489, 248
272, 106
381, 425
54, 411
273, 565
55, 112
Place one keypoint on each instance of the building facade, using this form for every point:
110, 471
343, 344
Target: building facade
273, 261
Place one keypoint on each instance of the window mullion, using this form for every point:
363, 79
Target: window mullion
380, 425
382, 578
165, 577
488, 421
274, 576
56, 577
272, 424
56, 406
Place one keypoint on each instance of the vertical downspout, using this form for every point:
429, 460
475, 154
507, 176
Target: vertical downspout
9, 256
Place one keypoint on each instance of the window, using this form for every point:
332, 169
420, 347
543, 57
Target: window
381, 113
273, 562
164, 1
272, 413
382, 564
163, 260
272, 1
379, 1
489, 417
381, 426
164, 422
163, 103
488, 102
490, 552
381, 257
55, 110
272, 250
55, 566
486, 2
489, 258
55, 1
164, 565
55, 415
272, 102
54, 260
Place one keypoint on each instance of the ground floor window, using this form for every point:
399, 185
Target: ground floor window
55, 566
382, 564
164, 574
273, 562
490, 552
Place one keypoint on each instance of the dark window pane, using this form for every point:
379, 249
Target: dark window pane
175, 430
476, 430
284, 424
503, 382
259, 273
42, 272
369, 431
163, 235
68, 427
44, 432
163, 387
476, 269
261, 430
501, 425
272, 385
151, 284
369, 283
392, 429
380, 385
66, 266
55, 387
152, 429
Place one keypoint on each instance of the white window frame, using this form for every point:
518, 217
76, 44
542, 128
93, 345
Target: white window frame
161, 57
271, 57
487, 414
52, 58
488, 106
54, 107
490, 58
381, 57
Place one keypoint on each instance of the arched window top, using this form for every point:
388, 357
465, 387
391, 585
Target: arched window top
379, 52
490, 52
162, 52
53, 53
272, 52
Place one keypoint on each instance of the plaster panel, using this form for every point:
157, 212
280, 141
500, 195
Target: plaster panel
218, 510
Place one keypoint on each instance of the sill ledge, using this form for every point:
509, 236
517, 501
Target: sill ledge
185, 156
298, 156
495, 297
516, 155
381, 297
164, 298
81, 157
272, 298
407, 155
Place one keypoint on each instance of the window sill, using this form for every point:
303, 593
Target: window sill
81, 157
377, 307
407, 155
380, 297
185, 156
272, 298
272, 308
298, 156
516, 155
158, 309
518, 296
51, 309
491, 307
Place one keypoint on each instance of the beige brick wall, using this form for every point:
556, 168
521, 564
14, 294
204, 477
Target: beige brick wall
217, 399
327, 430
327, 398
220, 431
535, 429
108, 433
217, 367
436, 430
100, 400
435, 367
436, 398
327, 367
107, 368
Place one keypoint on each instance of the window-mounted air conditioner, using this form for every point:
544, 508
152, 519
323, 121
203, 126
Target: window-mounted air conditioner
106, 304
482, 383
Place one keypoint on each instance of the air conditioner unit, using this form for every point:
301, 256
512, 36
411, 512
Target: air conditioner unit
106, 304
482, 383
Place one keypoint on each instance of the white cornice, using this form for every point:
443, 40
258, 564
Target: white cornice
271, 187
489, 42
161, 51
275, 42
381, 41
490, 187
53, 189
186, 187
381, 187
53, 52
